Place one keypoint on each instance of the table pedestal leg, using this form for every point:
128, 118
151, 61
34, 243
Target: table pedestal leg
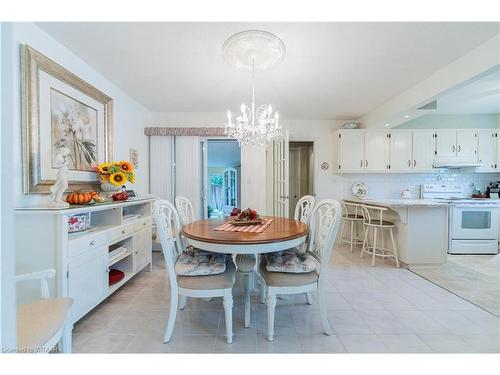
246, 265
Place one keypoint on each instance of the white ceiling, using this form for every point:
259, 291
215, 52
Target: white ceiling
223, 153
331, 70
478, 96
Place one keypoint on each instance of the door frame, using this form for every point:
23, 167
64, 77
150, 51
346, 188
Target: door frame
316, 162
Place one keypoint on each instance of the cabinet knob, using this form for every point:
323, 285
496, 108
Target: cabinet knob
361, 163
124, 231
414, 163
366, 163
459, 148
92, 243
409, 163
143, 224
453, 148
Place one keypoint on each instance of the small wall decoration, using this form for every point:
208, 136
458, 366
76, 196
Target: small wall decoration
325, 166
134, 157
61, 112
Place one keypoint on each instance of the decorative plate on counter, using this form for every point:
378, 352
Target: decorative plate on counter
360, 190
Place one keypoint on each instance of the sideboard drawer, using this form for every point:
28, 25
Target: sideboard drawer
142, 224
121, 232
80, 245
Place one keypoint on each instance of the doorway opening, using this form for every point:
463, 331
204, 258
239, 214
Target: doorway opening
222, 180
301, 172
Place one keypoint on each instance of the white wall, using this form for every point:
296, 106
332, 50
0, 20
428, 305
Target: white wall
129, 117
453, 122
7, 256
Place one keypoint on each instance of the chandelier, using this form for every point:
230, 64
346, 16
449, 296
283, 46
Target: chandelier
255, 50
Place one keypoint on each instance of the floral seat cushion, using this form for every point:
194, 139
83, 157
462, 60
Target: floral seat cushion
291, 261
197, 262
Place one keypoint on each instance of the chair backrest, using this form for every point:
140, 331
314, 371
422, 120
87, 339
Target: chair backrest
351, 208
184, 209
304, 208
325, 220
168, 228
373, 214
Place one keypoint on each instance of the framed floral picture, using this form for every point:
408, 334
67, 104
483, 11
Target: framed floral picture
60, 110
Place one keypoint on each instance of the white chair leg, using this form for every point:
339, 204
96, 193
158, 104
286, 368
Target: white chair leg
364, 243
341, 232
309, 298
352, 233
271, 305
394, 247
247, 299
374, 245
262, 291
182, 302
174, 300
228, 314
66, 339
322, 311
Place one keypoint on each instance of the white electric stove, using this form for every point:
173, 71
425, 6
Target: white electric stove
473, 223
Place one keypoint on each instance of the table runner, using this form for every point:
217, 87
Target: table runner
258, 228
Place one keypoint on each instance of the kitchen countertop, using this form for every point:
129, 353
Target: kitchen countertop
393, 203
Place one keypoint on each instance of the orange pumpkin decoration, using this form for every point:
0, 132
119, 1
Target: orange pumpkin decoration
79, 198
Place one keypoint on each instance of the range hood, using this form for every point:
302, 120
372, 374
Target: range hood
456, 163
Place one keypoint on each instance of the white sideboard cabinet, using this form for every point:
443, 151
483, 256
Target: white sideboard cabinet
82, 260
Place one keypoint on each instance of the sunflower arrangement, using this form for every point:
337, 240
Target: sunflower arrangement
117, 173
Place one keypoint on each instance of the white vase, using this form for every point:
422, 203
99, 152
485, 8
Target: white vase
108, 187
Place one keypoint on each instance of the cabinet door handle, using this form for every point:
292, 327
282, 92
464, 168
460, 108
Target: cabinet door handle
459, 148
143, 224
92, 243
453, 148
124, 231
409, 163
366, 163
361, 164
414, 163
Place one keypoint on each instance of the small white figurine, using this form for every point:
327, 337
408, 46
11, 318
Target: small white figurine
61, 184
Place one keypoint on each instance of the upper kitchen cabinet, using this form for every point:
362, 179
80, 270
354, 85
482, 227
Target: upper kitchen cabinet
377, 150
423, 150
401, 157
446, 143
467, 144
487, 150
350, 150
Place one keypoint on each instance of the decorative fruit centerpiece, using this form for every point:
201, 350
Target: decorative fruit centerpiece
121, 196
247, 217
84, 197
114, 175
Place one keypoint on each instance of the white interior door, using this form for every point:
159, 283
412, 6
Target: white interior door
230, 187
280, 176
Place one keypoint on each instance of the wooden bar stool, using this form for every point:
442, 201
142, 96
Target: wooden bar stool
351, 213
373, 220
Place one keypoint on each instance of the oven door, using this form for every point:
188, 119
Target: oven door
474, 223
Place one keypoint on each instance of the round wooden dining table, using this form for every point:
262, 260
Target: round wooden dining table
281, 234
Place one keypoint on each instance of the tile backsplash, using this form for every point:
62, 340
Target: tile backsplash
385, 185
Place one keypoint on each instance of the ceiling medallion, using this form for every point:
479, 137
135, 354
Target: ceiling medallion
255, 50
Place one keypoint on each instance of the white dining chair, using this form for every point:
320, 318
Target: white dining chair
184, 209
44, 323
220, 285
325, 220
304, 208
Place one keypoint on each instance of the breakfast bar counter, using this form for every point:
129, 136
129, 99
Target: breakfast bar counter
422, 228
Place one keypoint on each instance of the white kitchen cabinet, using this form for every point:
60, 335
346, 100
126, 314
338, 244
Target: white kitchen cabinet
487, 150
87, 280
142, 249
467, 144
423, 150
401, 151
351, 150
377, 151
446, 144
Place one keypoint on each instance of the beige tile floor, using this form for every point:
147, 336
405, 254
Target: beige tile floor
475, 278
378, 309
